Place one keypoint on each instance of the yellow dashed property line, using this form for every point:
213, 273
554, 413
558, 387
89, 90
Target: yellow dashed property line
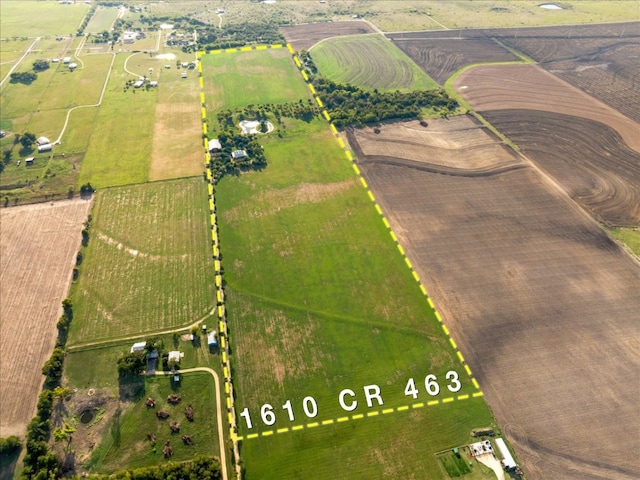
313, 90
373, 199
356, 169
333, 129
360, 416
453, 343
326, 115
319, 102
341, 142
386, 222
349, 156
290, 48
363, 182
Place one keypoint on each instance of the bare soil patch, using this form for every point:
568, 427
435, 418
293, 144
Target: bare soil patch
588, 158
38, 249
501, 87
304, 36
543, 305
455, 143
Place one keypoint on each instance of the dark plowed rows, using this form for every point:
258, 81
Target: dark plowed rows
303, 37
440, 58
602, 60
588, 158
544, 306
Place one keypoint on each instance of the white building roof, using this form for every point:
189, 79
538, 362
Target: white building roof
42, 141
174, 355
507, 459
138, 346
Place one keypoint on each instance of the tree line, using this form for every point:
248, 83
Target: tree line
351, 105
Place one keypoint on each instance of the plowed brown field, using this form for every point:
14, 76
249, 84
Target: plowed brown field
544, 306
38, 248
303, 37
441, 57
501, 87
588, 158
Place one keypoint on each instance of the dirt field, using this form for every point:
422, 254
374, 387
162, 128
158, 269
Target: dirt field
38, 246
440, 55
303, 37
501, 87
437, 146
588, 158
542, 303
595, 58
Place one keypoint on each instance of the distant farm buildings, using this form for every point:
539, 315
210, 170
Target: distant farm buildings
44, 144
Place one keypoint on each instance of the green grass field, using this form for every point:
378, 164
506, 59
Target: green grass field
319, 299
30, 18
238, 79
134, 450
148, 264
121, 153
369, 61
102, 20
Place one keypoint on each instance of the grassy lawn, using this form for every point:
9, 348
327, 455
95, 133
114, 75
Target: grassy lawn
30, 18
369, 61
246, 78
148, 264
319, 299
128, 445
102, 20
10, 52
121, 152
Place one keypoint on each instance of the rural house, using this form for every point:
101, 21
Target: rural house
214, 145
238, 154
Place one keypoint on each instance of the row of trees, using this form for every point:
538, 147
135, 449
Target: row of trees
201, 468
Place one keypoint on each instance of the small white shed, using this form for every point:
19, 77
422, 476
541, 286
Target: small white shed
138, 347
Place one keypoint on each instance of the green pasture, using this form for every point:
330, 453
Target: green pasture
102, 20
148, 265
30, 18
10, 52
238, 79
369, 61
319, 299
126, 442
121, 151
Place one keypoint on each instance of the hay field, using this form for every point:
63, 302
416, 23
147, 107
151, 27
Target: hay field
38, 246
238, 79
148, 264
31, 18
542, 302
369, 61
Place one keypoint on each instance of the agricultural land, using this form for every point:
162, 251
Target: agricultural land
430, 238
38, 246
337, 300
371, 62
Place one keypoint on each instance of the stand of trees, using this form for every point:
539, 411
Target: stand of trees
222, 163
23, 77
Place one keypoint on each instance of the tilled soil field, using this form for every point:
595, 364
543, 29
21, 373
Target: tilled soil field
603, 60
542, 303
38, 246
588, 158
441, 57
501, 87
304, 36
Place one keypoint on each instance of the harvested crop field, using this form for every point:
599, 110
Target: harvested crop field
542, 303
440, 56
588, 158
304, 36
602, 59
501, 87
38, 246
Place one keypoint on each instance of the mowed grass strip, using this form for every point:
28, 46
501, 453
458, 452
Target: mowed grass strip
319, 299
369, 61
119, 151
148, 265
238, 79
